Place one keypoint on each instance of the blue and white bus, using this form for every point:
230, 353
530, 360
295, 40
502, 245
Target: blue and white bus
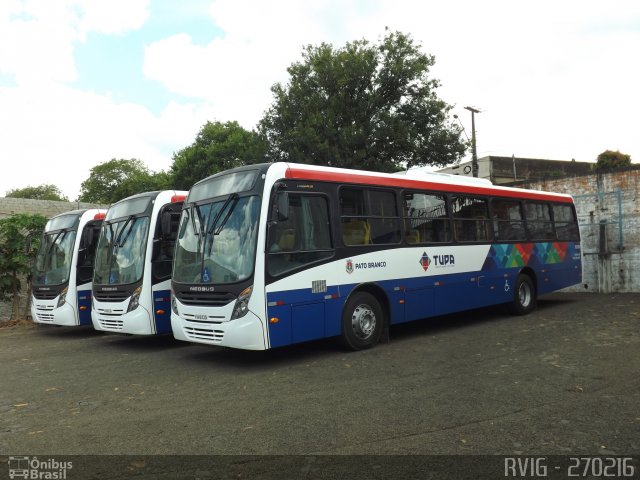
131, 282
276, 254
61, 286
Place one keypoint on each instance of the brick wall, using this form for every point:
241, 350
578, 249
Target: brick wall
608, 207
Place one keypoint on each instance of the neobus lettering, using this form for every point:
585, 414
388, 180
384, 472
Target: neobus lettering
442, 260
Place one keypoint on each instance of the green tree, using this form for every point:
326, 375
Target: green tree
610, 159
16, 260
362, 106
41, 192
217, 147
119, 178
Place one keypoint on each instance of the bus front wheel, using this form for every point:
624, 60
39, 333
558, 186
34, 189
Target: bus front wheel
524, 296
362, 322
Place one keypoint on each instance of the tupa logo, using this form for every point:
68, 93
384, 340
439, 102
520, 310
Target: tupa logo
349, 266
425, 261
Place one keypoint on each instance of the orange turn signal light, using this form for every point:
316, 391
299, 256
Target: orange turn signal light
274, 320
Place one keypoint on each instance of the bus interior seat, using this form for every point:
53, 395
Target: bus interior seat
356, 233
412, 236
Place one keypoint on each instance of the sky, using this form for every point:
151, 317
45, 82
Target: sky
86, 81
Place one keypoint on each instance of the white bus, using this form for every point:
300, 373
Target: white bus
131, 282
276, 254
61, 286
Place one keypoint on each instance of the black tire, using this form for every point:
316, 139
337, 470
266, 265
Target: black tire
524, 296
362, 321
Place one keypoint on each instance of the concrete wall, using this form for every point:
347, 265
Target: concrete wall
47, 208
608, 207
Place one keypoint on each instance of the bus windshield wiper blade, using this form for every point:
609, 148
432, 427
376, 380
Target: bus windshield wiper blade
212, 230
213, 225
121, 241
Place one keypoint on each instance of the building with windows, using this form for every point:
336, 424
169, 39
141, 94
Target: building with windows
503, 170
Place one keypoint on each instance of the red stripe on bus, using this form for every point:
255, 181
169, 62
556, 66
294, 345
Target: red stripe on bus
320, 175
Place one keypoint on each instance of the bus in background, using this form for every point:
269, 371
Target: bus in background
63, 269
276, 254
131, 282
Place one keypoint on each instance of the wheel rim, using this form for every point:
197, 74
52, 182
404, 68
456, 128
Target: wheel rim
363, 321
524, 294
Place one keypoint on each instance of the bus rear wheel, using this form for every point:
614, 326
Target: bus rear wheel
362, 322
524, 296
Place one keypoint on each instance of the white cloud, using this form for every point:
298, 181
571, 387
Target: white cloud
61, 133
235, 72
113, 16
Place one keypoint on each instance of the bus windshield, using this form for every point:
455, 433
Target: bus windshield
53, 262
217, 241
121, 250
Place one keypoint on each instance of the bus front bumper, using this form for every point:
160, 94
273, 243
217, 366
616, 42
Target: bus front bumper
246, 333
46, 313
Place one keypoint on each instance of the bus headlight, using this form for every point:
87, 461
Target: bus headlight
242, 305
62, 298
174, 304
135, 300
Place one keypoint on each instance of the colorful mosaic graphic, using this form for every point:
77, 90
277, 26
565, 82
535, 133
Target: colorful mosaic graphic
520, 254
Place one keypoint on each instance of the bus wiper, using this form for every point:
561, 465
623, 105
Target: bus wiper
121, 241
195, 210
212, 230
53, 242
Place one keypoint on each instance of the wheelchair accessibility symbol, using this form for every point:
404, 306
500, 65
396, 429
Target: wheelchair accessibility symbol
506, 286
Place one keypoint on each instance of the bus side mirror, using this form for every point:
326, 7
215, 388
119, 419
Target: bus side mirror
165, 225
86, 238
282, 203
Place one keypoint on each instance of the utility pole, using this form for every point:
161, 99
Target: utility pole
474, 157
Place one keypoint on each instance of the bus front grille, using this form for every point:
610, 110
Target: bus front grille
111, 324
209, 299
45, 295
44, 317
111, 296
202, 333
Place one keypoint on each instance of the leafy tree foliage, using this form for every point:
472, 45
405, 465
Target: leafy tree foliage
362, 106
610, 159
16, 261
41, 192
217, 147
119, 178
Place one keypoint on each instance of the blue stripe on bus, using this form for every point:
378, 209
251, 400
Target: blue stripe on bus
84, 307
162, 310
304, 315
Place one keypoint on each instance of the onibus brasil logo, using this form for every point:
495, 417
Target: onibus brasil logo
32, 468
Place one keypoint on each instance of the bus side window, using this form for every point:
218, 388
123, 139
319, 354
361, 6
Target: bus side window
508, 223
565, 223
383, 217
368, 216
539, 225
471, 219
303, 238
426, 219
